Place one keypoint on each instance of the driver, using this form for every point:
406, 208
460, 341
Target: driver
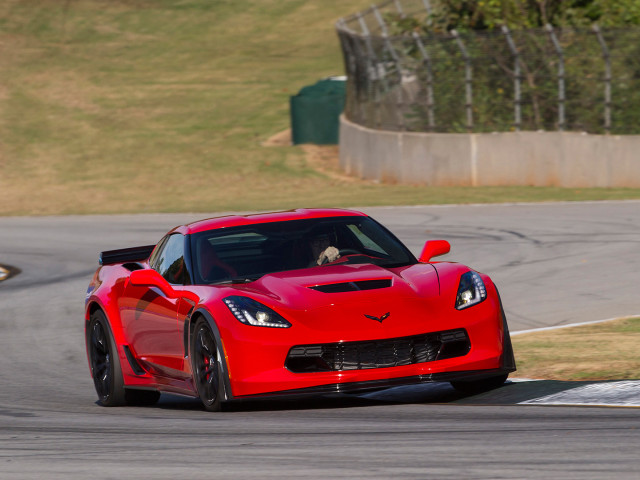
322, 251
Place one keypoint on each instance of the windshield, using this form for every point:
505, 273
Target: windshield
243, 254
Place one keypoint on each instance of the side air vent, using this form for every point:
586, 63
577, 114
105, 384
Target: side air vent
353, 286
135, 366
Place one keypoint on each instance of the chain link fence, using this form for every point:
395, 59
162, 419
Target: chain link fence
401, 78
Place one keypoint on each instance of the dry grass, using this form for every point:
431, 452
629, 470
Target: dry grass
606, 351
164, 105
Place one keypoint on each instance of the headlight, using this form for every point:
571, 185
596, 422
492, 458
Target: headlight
250, 312
471, 291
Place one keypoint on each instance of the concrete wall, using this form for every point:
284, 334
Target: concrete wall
563, 159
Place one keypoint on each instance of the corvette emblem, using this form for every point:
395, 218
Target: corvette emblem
378, 319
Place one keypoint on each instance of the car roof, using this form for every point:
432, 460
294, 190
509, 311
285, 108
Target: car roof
241, 220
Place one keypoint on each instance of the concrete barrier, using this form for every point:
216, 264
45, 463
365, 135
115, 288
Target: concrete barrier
561, 159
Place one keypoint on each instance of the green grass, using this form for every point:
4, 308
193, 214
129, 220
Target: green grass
158, 105
605, 351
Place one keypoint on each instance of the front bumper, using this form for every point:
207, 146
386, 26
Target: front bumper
257, 356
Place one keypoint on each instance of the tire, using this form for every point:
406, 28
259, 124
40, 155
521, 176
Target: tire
471, 387
104, 361
207, 372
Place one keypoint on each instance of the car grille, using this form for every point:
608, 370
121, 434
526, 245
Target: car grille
392, 352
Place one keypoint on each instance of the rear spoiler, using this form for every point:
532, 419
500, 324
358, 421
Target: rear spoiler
134, 254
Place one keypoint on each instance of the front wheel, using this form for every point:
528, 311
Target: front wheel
471, 387
207, 370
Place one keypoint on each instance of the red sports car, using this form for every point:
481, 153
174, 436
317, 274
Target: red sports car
304, 301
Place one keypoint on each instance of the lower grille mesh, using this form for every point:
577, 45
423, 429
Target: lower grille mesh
391, 352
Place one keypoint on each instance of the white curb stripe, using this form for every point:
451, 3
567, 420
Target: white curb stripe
608, 394
617, 394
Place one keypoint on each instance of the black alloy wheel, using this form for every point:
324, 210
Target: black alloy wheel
105, 365
207, 370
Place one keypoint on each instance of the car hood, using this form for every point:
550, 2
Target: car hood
352, 297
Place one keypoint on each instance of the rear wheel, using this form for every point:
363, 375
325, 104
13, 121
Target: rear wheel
479, 386
207, 370
105, 364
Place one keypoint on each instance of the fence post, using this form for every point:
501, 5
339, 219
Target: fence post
364, 90
375, 67
427, 61
427, 7
396, 61
385, 36
399, 8
352, 54
516, 78
561, 96
607, 78
373, 58
467, 79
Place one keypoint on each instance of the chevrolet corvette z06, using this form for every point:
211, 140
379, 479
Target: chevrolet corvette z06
300, 302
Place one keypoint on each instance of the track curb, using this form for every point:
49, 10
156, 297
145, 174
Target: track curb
7, 271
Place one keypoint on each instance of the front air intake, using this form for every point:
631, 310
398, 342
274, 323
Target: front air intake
391, 352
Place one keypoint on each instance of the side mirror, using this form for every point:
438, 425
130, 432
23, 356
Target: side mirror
434, 248
150, 278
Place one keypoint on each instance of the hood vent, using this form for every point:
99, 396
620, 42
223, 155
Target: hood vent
353, 286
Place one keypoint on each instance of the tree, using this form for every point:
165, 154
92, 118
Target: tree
522, 14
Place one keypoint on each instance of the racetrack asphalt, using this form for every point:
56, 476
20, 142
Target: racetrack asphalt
554, 264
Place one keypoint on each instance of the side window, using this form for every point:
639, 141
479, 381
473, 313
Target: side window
170, 260
153, 260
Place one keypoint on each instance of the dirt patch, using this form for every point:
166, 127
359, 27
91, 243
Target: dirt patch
280, 139
322, 158
326, 159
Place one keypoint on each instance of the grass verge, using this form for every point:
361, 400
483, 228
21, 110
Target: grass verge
163, 106
604, 351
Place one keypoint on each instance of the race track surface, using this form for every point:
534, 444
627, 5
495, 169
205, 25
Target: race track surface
553, 263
